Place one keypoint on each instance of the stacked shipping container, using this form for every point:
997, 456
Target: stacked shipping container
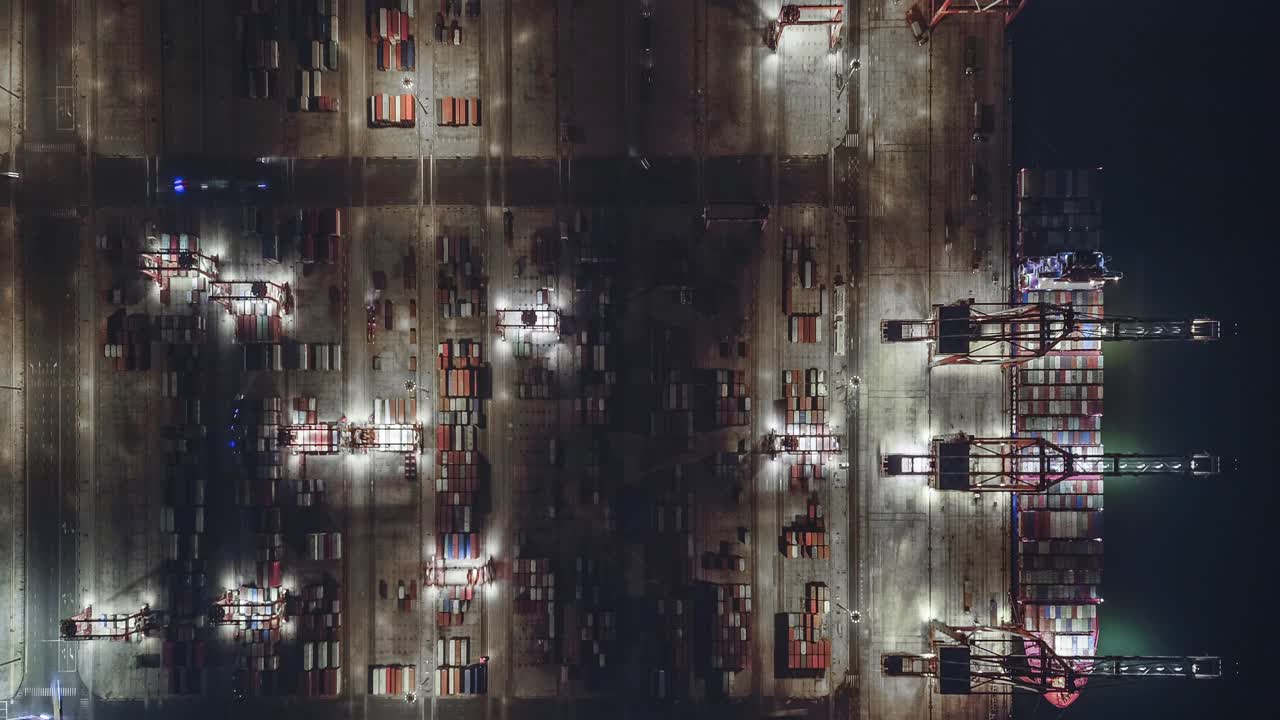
805, 394
724, 626
258, 33
1060, 397
534, 584
461, 289
802, 650
806, 536
319, 640
316, 30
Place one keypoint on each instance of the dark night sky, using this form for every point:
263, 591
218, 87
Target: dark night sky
1172, 99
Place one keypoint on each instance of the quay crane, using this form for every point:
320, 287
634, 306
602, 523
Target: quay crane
941, 9
995, 659
969, 333
966, 463
800, 15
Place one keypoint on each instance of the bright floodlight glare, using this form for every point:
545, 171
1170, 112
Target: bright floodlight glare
12, 174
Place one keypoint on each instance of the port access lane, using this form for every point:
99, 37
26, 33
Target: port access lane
51, 251
924, 554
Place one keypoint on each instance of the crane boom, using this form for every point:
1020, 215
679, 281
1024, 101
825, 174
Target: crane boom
970, 333
1031, 464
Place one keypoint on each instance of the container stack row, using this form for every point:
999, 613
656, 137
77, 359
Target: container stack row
452, 604
258, 34
317, 34
669, 676
805, 477
303, 411
176, 329
319, 624
805, 394
391, 36
324, 546
460, 469
598, 376
534, 584
392, 110
455, 673
461, 288
726, 402
308, 493
725, 626
458, 111
395, 680
724, 558
272, 356
597, 620
802, 292
183, 525
535, 382
804, 328
395, 411
806, 536
127, 341
674, 414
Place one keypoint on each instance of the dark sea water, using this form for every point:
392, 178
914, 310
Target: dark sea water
1174, 101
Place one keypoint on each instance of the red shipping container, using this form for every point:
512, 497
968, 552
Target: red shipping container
384, 55
404, 26
410, 109
475, 111
393, 24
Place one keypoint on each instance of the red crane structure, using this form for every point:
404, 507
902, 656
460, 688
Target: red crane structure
249, 608
970, 333
798, 15
996, 659
116, 626
941, 9
1029, 464
163, 263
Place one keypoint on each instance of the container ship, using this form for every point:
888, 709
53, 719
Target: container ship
1058, 534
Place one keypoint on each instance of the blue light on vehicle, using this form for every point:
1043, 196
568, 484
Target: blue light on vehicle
262, 186
179, 185
232, 443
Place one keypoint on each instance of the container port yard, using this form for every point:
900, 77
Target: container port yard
551, 358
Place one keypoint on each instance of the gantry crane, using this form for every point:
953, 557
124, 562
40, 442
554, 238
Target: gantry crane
964, 462
994, 659
116, 626
793, 15
252, 297
970, 333
162, 264
539, 320
940, 9
249, 607
333, 438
